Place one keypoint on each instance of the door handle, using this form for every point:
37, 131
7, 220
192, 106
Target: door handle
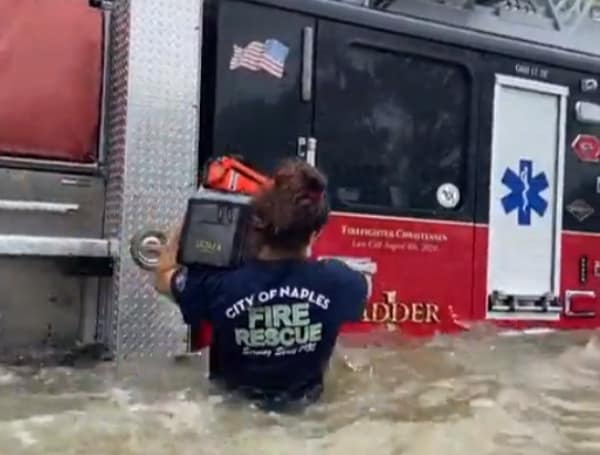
311, 151
306, 149
308, 40
569, 295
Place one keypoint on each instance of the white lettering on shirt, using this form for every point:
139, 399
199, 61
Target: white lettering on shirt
280, 329
263, 297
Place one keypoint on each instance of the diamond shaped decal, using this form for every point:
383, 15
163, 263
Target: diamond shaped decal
580, 209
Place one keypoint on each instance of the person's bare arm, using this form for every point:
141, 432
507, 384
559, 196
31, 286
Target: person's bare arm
167, 263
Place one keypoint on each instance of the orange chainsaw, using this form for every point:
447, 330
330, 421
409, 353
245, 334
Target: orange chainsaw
233, 175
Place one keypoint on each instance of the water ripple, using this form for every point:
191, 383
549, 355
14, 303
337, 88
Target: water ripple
478, 393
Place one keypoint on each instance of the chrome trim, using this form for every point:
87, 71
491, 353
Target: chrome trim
311, 151
307, 63
145, 248
48, 165
101, 152
587, 112
301, 147
38, 246
36, 206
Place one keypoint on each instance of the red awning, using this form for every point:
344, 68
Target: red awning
50, 79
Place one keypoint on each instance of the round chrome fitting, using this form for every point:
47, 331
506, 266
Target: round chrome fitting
145, 248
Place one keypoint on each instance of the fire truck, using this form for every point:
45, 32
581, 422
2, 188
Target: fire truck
460, 140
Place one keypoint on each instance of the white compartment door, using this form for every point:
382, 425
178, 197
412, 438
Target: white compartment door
526, 189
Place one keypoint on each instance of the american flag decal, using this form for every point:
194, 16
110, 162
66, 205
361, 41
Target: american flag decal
266, 56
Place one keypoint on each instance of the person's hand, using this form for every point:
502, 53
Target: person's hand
168, 253
167, 261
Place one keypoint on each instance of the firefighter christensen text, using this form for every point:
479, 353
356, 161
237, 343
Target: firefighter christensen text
394, 239
392, 253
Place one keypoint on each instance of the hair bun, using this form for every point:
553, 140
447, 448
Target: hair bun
294, 206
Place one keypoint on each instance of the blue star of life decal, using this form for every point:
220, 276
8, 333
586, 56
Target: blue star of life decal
525, 192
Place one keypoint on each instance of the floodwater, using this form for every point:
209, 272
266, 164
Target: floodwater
477, 393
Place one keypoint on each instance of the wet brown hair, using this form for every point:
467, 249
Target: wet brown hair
295, 206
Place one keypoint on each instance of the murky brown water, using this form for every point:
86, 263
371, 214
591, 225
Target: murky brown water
474, 394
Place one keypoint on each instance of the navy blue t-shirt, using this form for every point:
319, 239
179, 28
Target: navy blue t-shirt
275, 323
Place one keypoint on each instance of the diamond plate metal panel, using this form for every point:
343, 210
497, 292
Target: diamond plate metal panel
151, 160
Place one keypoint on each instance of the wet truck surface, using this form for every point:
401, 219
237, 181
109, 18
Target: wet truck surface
460, 163
461, 144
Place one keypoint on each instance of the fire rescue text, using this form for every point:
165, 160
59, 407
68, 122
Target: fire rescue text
280, 329
287, 328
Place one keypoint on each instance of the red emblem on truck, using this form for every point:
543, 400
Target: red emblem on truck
587, 148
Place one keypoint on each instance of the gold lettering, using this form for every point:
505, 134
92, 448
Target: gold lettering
405, 312
375, 312
390, 311
432, 313
208, 246
389, 297
418, 313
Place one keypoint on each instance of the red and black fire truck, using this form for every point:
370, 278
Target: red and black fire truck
460, 139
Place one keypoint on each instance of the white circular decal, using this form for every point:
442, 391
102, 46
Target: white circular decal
448, 195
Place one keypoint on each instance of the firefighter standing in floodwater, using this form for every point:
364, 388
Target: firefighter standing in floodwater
275, 319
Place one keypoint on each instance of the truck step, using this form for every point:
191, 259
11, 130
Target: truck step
59, 247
